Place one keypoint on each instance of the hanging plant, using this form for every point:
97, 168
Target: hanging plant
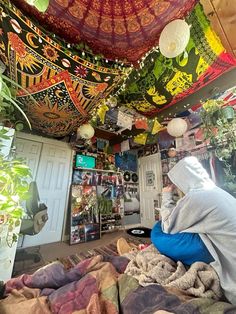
8, 101
219, 128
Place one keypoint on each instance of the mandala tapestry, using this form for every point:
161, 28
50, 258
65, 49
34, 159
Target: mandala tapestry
117, 28
163, 82
65, 86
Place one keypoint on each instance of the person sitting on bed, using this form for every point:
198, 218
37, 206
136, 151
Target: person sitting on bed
201, 226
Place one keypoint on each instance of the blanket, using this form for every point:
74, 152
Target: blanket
150, 267
98, 285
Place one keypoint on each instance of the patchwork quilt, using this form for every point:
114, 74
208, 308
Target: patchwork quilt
99, 285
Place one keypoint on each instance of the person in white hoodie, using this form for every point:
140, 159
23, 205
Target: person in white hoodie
203, 223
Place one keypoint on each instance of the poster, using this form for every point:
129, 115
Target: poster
109, 199
131, 199
150, 178
83, 213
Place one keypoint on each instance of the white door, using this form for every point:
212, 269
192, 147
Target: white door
150, 181
53, 181
30, 151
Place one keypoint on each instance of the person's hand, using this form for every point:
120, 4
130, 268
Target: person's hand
168, 188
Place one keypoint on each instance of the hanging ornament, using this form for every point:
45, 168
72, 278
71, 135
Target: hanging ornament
177, 127
124, 120
157, 127
40, 5
112, 102
101, 112
174, 38
172, 152
85, 131
141, 138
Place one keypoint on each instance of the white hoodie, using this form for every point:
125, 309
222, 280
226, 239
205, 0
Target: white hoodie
207, 210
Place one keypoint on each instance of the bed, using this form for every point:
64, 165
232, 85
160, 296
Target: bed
140, 282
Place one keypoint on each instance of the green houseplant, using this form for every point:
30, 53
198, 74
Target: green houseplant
219, 128
14, 186
14, 174
9, 102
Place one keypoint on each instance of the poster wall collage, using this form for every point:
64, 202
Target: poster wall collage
99, 200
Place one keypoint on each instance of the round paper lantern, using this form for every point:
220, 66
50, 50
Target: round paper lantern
174, 38
177, 127
86, 131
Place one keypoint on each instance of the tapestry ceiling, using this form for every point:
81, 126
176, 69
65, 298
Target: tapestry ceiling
162, 82
119, 29
65, 86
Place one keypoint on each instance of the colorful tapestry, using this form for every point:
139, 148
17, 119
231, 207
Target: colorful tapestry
162, 82
65, 86
123, 29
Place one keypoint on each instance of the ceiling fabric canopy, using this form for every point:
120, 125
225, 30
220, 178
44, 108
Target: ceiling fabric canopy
65, 86
162, 81
119, 29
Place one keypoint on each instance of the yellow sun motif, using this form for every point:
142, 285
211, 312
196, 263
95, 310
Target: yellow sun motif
50, 53
28, 62
90, 91
45, 112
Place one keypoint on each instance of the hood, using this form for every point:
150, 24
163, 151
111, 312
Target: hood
188, 174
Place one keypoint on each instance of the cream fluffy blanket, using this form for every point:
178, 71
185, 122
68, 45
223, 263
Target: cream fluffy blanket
150, 267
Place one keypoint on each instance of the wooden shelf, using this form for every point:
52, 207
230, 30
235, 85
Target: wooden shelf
97, 170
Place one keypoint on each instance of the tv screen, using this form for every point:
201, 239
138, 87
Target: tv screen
84, 161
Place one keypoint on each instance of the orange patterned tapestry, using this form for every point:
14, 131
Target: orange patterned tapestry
66, 87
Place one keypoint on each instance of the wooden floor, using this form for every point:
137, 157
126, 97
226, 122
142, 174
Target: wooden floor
52, 251
27, 263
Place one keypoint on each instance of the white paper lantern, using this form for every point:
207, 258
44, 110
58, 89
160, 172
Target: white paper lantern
177, 127
85, 131
174, 38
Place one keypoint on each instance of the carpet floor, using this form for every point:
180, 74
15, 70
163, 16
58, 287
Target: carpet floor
31, 259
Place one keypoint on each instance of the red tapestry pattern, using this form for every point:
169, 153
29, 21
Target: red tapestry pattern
119, 29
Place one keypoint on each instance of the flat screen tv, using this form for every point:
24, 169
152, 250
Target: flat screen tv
83, 161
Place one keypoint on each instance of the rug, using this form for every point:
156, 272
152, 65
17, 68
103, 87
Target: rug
140, 232
105, 250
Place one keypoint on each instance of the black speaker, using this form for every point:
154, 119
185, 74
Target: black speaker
130, 177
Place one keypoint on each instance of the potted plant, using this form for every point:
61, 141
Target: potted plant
14, 174
219, 127
14, 186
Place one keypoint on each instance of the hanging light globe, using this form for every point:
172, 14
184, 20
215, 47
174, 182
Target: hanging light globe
174, 38
177, 127
85, 131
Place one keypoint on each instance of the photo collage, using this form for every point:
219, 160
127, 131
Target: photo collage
96, 203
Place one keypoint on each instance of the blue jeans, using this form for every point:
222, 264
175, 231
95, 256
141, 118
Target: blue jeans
185, 247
